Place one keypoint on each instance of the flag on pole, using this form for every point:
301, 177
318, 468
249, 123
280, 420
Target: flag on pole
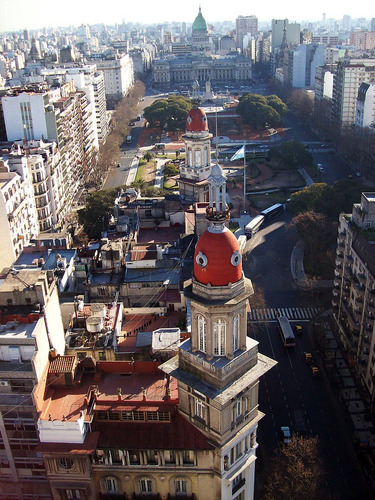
239, 154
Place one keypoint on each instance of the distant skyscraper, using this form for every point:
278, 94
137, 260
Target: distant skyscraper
372, 25
292, 32
324, 19
245, 25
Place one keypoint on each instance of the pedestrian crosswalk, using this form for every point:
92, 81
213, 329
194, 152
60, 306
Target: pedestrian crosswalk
292, 313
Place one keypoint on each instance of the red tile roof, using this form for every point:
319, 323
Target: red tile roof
62, 364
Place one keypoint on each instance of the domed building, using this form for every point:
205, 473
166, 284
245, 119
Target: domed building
193, 184
200, 34
201, 62
219, 367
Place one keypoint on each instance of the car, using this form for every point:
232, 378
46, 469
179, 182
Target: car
358, 174
308, 358
314, 371
298, 329
320, 167
285, 434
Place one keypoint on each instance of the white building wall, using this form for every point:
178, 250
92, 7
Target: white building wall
365, 113
299, 67
17, 125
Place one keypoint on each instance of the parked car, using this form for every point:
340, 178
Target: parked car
285, 434
308, 358
314, 371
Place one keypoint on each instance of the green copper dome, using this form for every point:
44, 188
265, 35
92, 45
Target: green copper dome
200, 23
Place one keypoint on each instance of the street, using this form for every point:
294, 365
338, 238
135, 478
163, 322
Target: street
288, 394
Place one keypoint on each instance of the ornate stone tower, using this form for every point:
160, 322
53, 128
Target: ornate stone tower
219, 367
194, 171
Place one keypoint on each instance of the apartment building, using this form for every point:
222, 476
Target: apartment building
281, 28
91, 81
245, 25
62, 115
31, 327
354, 288
349, 76
363, 40
365, 112
118, 74
42, 161
18, 214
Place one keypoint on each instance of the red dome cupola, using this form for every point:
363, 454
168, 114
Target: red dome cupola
217, 258
196, 121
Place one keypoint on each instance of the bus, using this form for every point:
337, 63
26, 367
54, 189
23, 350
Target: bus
286, 332
271, 212
253, 226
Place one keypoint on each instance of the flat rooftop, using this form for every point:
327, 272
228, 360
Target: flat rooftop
69, 401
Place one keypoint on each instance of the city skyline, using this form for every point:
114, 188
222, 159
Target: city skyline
35, 15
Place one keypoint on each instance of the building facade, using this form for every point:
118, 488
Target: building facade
245, 25
365, 113
354, 284
349, 76
31, 326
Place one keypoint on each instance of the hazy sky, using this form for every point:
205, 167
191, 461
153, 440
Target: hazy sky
32, 14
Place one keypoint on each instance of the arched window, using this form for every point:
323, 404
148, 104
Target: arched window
236, 332
198, 158
180, 486
219, 328
110, 485
190, 158
202, 333
145, 485
205, 157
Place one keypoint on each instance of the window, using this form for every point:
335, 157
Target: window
236, 332
201, 333
73, 495
145, 486
66, 463
110, 485
219, 337
200, 409
180, 486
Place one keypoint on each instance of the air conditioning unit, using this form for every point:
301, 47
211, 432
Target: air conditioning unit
4, 383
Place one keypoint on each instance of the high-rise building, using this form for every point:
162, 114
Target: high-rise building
292, 32
354, 284
245, 25
31, 326
365, 112
118, 76
18, 215
349, 76
64, 116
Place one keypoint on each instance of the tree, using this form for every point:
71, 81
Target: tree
277, 104
259, 112
303, 104
328, 200
318, 233
95, 215
291, 155
170, 113
296, 472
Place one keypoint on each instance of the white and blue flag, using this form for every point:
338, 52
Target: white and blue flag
239, 154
